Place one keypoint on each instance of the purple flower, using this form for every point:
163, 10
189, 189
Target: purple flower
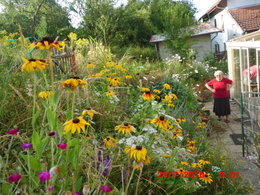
202, 140
26, 145
44, 176
51, 188
62, 146
106, 164
76, 193
106, 189
13, 131
185, 131
15, 177
179, 155
52, 133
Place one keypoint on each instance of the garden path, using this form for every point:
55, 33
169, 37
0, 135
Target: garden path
249, 171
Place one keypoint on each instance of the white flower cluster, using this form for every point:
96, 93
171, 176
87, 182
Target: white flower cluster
133, 140
149, 129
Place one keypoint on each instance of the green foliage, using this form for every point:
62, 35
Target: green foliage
219, 64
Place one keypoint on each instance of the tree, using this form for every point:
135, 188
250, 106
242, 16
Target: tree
33, 15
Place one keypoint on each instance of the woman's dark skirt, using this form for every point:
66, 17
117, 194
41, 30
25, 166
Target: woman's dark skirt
221, 106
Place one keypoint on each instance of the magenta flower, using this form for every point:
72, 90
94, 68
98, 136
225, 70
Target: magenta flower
13, 131
76, 193
44, 176
62, 146
106, 189
26, 145
15, 177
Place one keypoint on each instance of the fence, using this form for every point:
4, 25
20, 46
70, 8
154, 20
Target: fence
250, 124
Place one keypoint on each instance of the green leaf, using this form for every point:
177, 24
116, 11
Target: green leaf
36, 141
35, 116
35, 164
51, 116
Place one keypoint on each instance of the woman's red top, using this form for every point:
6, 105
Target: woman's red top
220, 87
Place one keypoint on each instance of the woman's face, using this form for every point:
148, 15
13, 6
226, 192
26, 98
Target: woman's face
219, 76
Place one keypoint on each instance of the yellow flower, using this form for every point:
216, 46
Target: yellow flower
147, 160
145, 89
204, 162
47, 43
138, 153
110, 93
137, 167
110, 141
148, 96
176, 133
180, 120
89, 112
184, 163
109, 64
167, 99
90, 66
31, 65
124, 69
207, 178
118, 66
45, 94
173, 96
196, 165
181, 171
170, 105
125, 128
157, 91
201, 125
166, 86
76, 124
74, 82
160, 122
128, 77
166, 155
191, 140
73, 36
108, 78
115, 81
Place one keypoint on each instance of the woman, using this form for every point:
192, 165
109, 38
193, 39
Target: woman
221, 94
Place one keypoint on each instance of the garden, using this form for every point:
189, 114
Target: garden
109, 125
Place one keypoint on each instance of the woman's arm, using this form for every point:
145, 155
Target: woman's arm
210, 88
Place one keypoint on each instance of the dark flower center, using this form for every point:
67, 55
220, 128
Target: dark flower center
148, 93
137, 74
74, 77
88, 108
126, 124
47, 39
75, 120
32, 60
108, 139
162, 118
139, 147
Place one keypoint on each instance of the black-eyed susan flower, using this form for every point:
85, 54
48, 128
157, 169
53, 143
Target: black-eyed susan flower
110, 93
184, 163
191, 140
166, 155
110, 141
167, 99
138, 153
47, 43
76, 124
166, 86
196, 165
110, 64
207, 178
89, 111
201, 125
123, 69
204, 162
128, 77
171, 105
138, 74
125, 128
31, 65
181, 120
118, 66
161, 122
115, 81
181, 171
45, 94
192, 148
74, 82
173, 96
90, 65
148, 96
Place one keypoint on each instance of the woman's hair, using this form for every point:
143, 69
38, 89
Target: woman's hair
218, 72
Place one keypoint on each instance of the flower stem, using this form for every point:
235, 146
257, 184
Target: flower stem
34, 99
137, 185
132, 173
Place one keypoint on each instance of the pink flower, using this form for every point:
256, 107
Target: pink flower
106, 189
15, 177
76, 193
51, 188
44, 176
13, 131
62, 146
26, 145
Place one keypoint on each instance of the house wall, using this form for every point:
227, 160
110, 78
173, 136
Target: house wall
231, 29
164, 51
233, 4
201, 45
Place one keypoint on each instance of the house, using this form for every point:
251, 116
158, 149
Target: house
201, 41
225, 20
234, 18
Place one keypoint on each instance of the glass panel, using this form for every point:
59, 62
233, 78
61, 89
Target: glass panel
245, 73
236, 77
252, 70
258, 72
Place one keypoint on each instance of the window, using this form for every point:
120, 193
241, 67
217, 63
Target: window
216, 48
